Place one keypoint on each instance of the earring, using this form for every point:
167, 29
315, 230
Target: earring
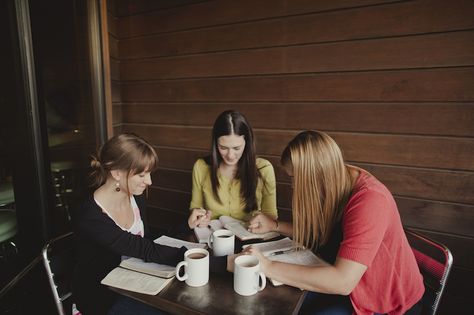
117, 186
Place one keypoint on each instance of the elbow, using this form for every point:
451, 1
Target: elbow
346, 289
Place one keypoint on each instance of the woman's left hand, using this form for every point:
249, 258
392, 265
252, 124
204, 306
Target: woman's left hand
264, 261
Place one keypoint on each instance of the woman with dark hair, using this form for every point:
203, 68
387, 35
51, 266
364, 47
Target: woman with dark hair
109, 224
232, 181
352, 221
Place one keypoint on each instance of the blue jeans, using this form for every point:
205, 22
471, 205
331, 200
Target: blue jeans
127, 306
326, 304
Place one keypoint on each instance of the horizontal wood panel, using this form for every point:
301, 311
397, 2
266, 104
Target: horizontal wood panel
179, 158
437, 216
169, 199
369, 22
204, 14
455, 153
431, 184
456, 119
439, 85
438, 50
164, 219
133, 7
437, 152
418, 213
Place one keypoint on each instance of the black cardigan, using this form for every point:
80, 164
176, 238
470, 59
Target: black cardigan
100, 243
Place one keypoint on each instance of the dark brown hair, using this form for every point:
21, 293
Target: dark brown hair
127, 152
234, 123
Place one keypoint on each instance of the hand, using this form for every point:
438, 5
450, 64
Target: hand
199, 217
230, 261
264, 261
262, 223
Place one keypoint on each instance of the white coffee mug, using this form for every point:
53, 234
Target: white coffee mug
222, 242
247, 275
196, 267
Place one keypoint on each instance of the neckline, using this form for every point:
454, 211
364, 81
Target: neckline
132, 203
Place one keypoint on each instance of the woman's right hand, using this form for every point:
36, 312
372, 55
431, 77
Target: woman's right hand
199, 217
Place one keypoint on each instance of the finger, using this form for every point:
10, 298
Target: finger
199, 212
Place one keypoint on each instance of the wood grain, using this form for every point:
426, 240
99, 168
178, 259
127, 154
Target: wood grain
423, 51
447, 119
437, 85
398, 19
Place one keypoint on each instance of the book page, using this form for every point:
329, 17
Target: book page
174, 242
268, 248
150, 268
299, 257
203, 233
216, 225
240, 230
135, 281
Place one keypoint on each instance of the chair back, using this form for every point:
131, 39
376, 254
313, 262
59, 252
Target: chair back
434, 260
58, 260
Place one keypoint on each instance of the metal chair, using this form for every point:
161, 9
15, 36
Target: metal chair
58, 260
434, 260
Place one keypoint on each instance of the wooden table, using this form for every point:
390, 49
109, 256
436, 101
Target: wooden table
219, 297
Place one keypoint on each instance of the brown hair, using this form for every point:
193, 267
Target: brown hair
234, 123
321, 186
127, 152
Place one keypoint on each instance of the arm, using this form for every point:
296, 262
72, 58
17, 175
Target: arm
95, 226
340, 279
197, 190
262, 223
198, 216
268, 189
364, 225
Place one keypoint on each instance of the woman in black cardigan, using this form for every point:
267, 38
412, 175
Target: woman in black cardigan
109, 224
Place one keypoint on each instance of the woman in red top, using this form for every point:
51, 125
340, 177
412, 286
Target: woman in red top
352, 221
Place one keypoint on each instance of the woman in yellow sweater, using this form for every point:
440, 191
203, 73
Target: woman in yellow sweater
232, 181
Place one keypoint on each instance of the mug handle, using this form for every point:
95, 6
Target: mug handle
178, 267
264, 281
210, 241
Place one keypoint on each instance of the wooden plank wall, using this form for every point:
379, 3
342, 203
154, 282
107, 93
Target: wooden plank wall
391, 81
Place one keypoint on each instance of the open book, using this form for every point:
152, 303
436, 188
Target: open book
285, 251
135, 281
238, 227
134, 274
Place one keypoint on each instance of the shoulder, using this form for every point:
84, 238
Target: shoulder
87, 206
264, 167
200, 165
88, 212
370, 199
141, 201
263, 164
